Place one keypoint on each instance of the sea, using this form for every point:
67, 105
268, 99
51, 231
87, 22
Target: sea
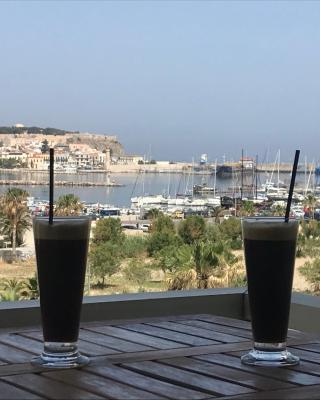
131, 185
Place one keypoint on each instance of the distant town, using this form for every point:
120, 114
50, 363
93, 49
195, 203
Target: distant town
28, 148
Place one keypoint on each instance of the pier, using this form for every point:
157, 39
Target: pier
58, 183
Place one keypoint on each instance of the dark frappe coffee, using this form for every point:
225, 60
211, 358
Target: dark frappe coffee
270, 246
61, 250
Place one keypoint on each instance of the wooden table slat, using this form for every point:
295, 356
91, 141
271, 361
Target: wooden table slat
138, 337
299, 393
305, 355
283, 374
9, 392
226, 373
239, 334
13, 355
101, 386
22, 343
85, 347
148, 383
234, 323
189, 379
313, 347
216, 319
119, 345
195, 336
181, 339
49, 388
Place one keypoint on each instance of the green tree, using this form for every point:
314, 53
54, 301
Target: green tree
311, 271
206, 260
108, 230
217, 213
174, 257
134, 246
153, 213
15, 217
231, 228
137, 272
214, 266
213, 232
45, 146
68, 204
104, 260
160, 240
163, 224
192, 229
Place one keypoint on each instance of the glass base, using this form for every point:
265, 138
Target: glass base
270, 355
60, 355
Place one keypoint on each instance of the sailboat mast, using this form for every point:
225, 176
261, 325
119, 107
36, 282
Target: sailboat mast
256, 170
278, 169
215, 179
241, 189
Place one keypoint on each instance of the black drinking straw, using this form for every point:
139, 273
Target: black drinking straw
51, 169
293, 178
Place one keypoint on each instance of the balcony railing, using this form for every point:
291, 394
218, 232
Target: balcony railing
228, 302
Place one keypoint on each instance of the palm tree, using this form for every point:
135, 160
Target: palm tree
30, 288
248, 208
205, 260
153, 213
68, 204
11, 289
15, 216
217, 213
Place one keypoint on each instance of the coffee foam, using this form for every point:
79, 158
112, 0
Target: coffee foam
269, 229
61, 228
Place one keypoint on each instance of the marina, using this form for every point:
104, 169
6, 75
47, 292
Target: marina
177, 196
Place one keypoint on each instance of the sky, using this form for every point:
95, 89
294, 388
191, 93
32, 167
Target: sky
172, 79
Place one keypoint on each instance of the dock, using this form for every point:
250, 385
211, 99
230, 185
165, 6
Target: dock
10, 182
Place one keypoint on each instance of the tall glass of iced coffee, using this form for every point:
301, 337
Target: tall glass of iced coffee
61, 252
269, 246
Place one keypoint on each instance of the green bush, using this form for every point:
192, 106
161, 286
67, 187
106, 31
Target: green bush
137, 272
159, 240
174, 257
134, 246
231, 228
311, 271
236, 244
108, 229
192, 229
213, 233
163, 224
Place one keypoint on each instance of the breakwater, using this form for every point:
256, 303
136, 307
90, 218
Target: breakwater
58, 183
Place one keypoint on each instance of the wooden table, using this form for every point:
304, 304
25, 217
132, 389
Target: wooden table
184, 357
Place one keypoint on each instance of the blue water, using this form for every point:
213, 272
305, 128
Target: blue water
133, 185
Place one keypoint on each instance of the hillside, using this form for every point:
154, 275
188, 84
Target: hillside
99, 142
32, 130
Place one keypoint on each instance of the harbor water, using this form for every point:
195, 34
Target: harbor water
132, 185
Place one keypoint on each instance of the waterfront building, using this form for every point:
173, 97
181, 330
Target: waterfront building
38, 161
127, 159
13, 154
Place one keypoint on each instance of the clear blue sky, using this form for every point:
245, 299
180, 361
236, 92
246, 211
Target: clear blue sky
183, 78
